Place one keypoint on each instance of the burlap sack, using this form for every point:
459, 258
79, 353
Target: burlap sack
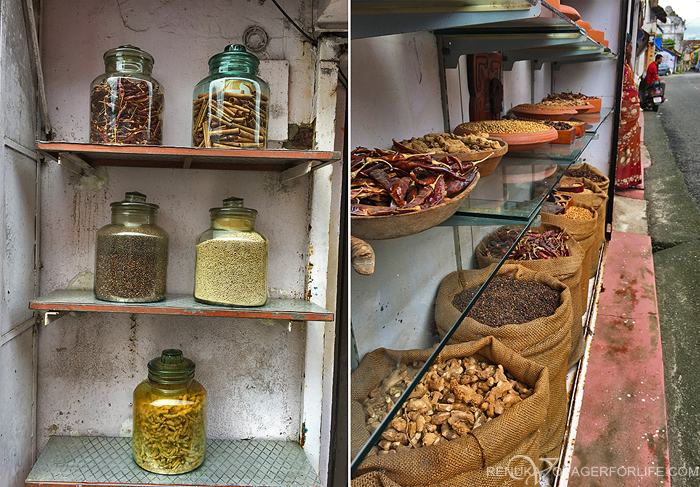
603, 185
584, 232
598, 201
479, 459
546, 340
565, 269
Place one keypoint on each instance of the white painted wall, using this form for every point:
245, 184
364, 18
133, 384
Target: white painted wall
89, 363
18, 195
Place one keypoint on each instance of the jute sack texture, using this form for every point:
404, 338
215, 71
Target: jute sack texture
546, 341
468, 461
584, 232
603, 185
565, 269
597, 200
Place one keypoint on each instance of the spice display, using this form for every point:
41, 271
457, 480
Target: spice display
126, 103
131, 258
534, 245
504, 126
556, 124
452, 399
385, 182
169, 416
567, 97
586, 174
578, 213
508, 301
230, 107
449, 143
231, 258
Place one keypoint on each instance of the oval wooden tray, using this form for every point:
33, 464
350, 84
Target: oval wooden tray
570, 12
383, 227
556, 114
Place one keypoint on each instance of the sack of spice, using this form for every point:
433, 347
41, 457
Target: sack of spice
556, 263
545, 339
482, 456
597, 199
582, 226
592, 173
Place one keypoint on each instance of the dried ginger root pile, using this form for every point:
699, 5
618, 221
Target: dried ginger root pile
452, 143
452, 399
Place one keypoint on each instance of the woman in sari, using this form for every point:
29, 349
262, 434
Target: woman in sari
628, 172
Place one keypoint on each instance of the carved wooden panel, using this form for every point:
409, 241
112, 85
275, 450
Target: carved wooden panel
485, 87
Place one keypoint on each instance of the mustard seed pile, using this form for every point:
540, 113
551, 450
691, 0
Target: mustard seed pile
504, 126
232, 270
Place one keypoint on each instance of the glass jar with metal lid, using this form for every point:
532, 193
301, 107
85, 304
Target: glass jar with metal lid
231, 258
126, 103
230, 108
131, 260
169, 416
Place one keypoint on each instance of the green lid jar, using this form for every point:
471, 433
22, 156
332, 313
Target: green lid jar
230, 108
131, 259
231, 258
169, 416
126, 103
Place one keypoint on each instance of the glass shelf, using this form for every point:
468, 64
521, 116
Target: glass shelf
371, 18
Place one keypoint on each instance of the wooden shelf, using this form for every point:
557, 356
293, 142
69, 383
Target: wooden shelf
185, 157
182, 304
72, 461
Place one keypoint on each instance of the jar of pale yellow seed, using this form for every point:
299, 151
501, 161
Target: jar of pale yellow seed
169, 416
231, 258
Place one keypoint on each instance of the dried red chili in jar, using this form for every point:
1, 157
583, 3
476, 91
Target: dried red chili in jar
126, 103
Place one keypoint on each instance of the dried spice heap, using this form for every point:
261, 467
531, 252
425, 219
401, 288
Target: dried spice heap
534, 245
586, 174
230, 120
449, 143
124, 111
568, 96
508, 301
452, 399
578, 213
170, 438
386, 182
504, 126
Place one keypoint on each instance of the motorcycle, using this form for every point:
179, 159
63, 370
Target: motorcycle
651, 96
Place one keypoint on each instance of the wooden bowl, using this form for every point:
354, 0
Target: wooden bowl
556, 114
522, 141
579, 127
597, 104
570, 12
583, 108
485, 161
584, 25
383, 227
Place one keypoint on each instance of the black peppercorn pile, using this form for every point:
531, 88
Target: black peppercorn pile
508, 301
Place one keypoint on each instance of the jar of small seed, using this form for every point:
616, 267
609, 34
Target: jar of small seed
131, 260
169, 416
231, 258
230, 107
126, 103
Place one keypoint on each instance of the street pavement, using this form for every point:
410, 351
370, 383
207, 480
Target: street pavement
672, 192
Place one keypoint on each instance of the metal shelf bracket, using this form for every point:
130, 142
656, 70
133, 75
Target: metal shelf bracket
75, 164
51, 316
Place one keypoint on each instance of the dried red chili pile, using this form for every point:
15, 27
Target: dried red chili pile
387, 182
508, 301
586, 174
126, 112
534, 245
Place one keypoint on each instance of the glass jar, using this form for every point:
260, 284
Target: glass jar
231, 104
231, 258
131, 259
126, 103
169, 416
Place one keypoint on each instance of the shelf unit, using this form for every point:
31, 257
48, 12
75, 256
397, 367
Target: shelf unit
547, 37
99, 460
264, 382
